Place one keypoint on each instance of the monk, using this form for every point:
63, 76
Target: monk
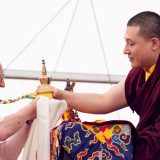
140, 90
14, 128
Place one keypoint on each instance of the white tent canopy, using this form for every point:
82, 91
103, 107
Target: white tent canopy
71, 35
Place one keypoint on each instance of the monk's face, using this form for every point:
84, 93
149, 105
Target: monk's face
2, 84
139, 49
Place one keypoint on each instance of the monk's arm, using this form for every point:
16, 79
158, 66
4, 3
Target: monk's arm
94, 103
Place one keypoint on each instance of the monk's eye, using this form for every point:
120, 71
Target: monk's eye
131, 44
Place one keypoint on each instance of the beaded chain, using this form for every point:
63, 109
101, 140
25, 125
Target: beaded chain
8, 101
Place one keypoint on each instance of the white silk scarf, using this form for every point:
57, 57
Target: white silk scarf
37, 146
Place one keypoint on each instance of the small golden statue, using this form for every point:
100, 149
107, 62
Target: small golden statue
70, 114
45, 88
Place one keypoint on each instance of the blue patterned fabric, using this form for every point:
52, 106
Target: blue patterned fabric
111, 140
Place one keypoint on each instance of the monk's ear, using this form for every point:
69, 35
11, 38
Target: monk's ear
155, 43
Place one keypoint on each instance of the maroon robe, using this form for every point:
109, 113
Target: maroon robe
144, 98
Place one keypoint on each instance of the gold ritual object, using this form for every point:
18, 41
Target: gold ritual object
45, 88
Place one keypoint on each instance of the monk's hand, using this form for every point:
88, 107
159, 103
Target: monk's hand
56, 93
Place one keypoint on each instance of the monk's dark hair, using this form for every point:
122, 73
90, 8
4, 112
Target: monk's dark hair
149, 23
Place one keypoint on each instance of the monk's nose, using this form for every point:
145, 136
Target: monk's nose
126, 50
